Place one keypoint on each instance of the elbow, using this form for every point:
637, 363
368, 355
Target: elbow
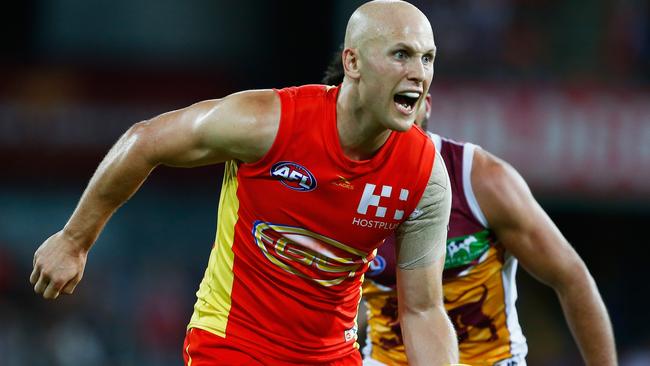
138, 143
422, 307
138, 132
577, 277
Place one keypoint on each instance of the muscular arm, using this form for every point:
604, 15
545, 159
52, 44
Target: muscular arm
527, 232
428, 334
241, 126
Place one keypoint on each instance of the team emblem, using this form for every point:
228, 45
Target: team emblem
309, 255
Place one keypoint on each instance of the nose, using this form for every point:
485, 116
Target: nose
416, 70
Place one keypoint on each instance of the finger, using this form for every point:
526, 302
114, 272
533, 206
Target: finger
52, 291
33, 278
41, 284
69, 288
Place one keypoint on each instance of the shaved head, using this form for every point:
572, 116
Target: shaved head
379, 18
388, 62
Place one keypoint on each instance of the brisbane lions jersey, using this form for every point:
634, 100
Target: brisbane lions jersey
298, 229
478, 282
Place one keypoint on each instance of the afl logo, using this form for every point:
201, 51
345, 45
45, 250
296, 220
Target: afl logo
294, 176
377, 266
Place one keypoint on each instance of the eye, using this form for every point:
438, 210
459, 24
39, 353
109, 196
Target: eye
401, 55
427, 59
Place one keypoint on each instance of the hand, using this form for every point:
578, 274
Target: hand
58, 266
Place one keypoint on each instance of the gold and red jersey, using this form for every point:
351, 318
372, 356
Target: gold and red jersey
478, 282
297, 230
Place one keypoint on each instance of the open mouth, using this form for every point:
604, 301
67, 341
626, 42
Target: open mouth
405, 101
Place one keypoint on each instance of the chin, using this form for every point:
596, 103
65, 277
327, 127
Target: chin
401, 124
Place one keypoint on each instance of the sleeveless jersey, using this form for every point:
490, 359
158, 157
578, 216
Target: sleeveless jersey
478, 281
297, 230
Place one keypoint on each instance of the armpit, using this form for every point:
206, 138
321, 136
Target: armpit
421, 238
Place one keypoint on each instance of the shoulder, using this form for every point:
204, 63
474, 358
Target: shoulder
256, 108
439, 175
501, 192
245, 123
438, 189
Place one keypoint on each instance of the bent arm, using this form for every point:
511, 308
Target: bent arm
429, 337
241, 126
526, 231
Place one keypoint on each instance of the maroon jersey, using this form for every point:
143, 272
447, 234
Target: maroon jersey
478, 279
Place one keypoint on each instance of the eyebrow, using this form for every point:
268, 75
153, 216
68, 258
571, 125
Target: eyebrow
410, 48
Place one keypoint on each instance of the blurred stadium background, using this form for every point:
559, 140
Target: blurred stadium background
558, 88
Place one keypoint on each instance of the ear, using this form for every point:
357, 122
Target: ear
350, 59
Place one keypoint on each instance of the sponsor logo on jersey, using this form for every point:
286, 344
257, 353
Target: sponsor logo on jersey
350, 334
464, 250
293, 175
377, 266
309, 255
372, 197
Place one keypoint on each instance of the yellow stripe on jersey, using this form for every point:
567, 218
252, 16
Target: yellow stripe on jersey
187, 350
213, 302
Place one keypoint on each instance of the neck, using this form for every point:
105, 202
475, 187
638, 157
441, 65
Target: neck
360, 134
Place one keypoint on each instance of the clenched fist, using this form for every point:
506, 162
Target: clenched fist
58, 266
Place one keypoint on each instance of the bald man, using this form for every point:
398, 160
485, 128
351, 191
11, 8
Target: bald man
495, 223
316, 178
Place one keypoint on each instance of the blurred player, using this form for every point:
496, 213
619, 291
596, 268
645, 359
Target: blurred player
495, 222
316, 178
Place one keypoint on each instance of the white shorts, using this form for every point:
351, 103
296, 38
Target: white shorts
369, 361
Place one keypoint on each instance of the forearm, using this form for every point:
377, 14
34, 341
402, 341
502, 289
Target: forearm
588, 320
119, 175
429, 337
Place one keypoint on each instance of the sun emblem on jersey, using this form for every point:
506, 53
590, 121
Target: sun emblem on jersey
309, 255
294, 176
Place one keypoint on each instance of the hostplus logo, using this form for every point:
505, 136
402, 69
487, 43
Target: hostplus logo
372, 197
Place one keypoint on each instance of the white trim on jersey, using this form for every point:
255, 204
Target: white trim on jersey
369, 361
468, 158
367, 350
437, 140
518, 346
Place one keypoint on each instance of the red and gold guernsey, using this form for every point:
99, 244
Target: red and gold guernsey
478, 282
297, 230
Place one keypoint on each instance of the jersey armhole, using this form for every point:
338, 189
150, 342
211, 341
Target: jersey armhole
468, 158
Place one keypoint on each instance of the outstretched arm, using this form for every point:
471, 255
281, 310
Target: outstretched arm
527, 232
428, 335
241, 126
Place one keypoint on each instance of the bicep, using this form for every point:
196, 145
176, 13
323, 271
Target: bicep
241, 126
422, 237
421, 243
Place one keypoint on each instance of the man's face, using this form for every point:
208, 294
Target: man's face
396, 71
